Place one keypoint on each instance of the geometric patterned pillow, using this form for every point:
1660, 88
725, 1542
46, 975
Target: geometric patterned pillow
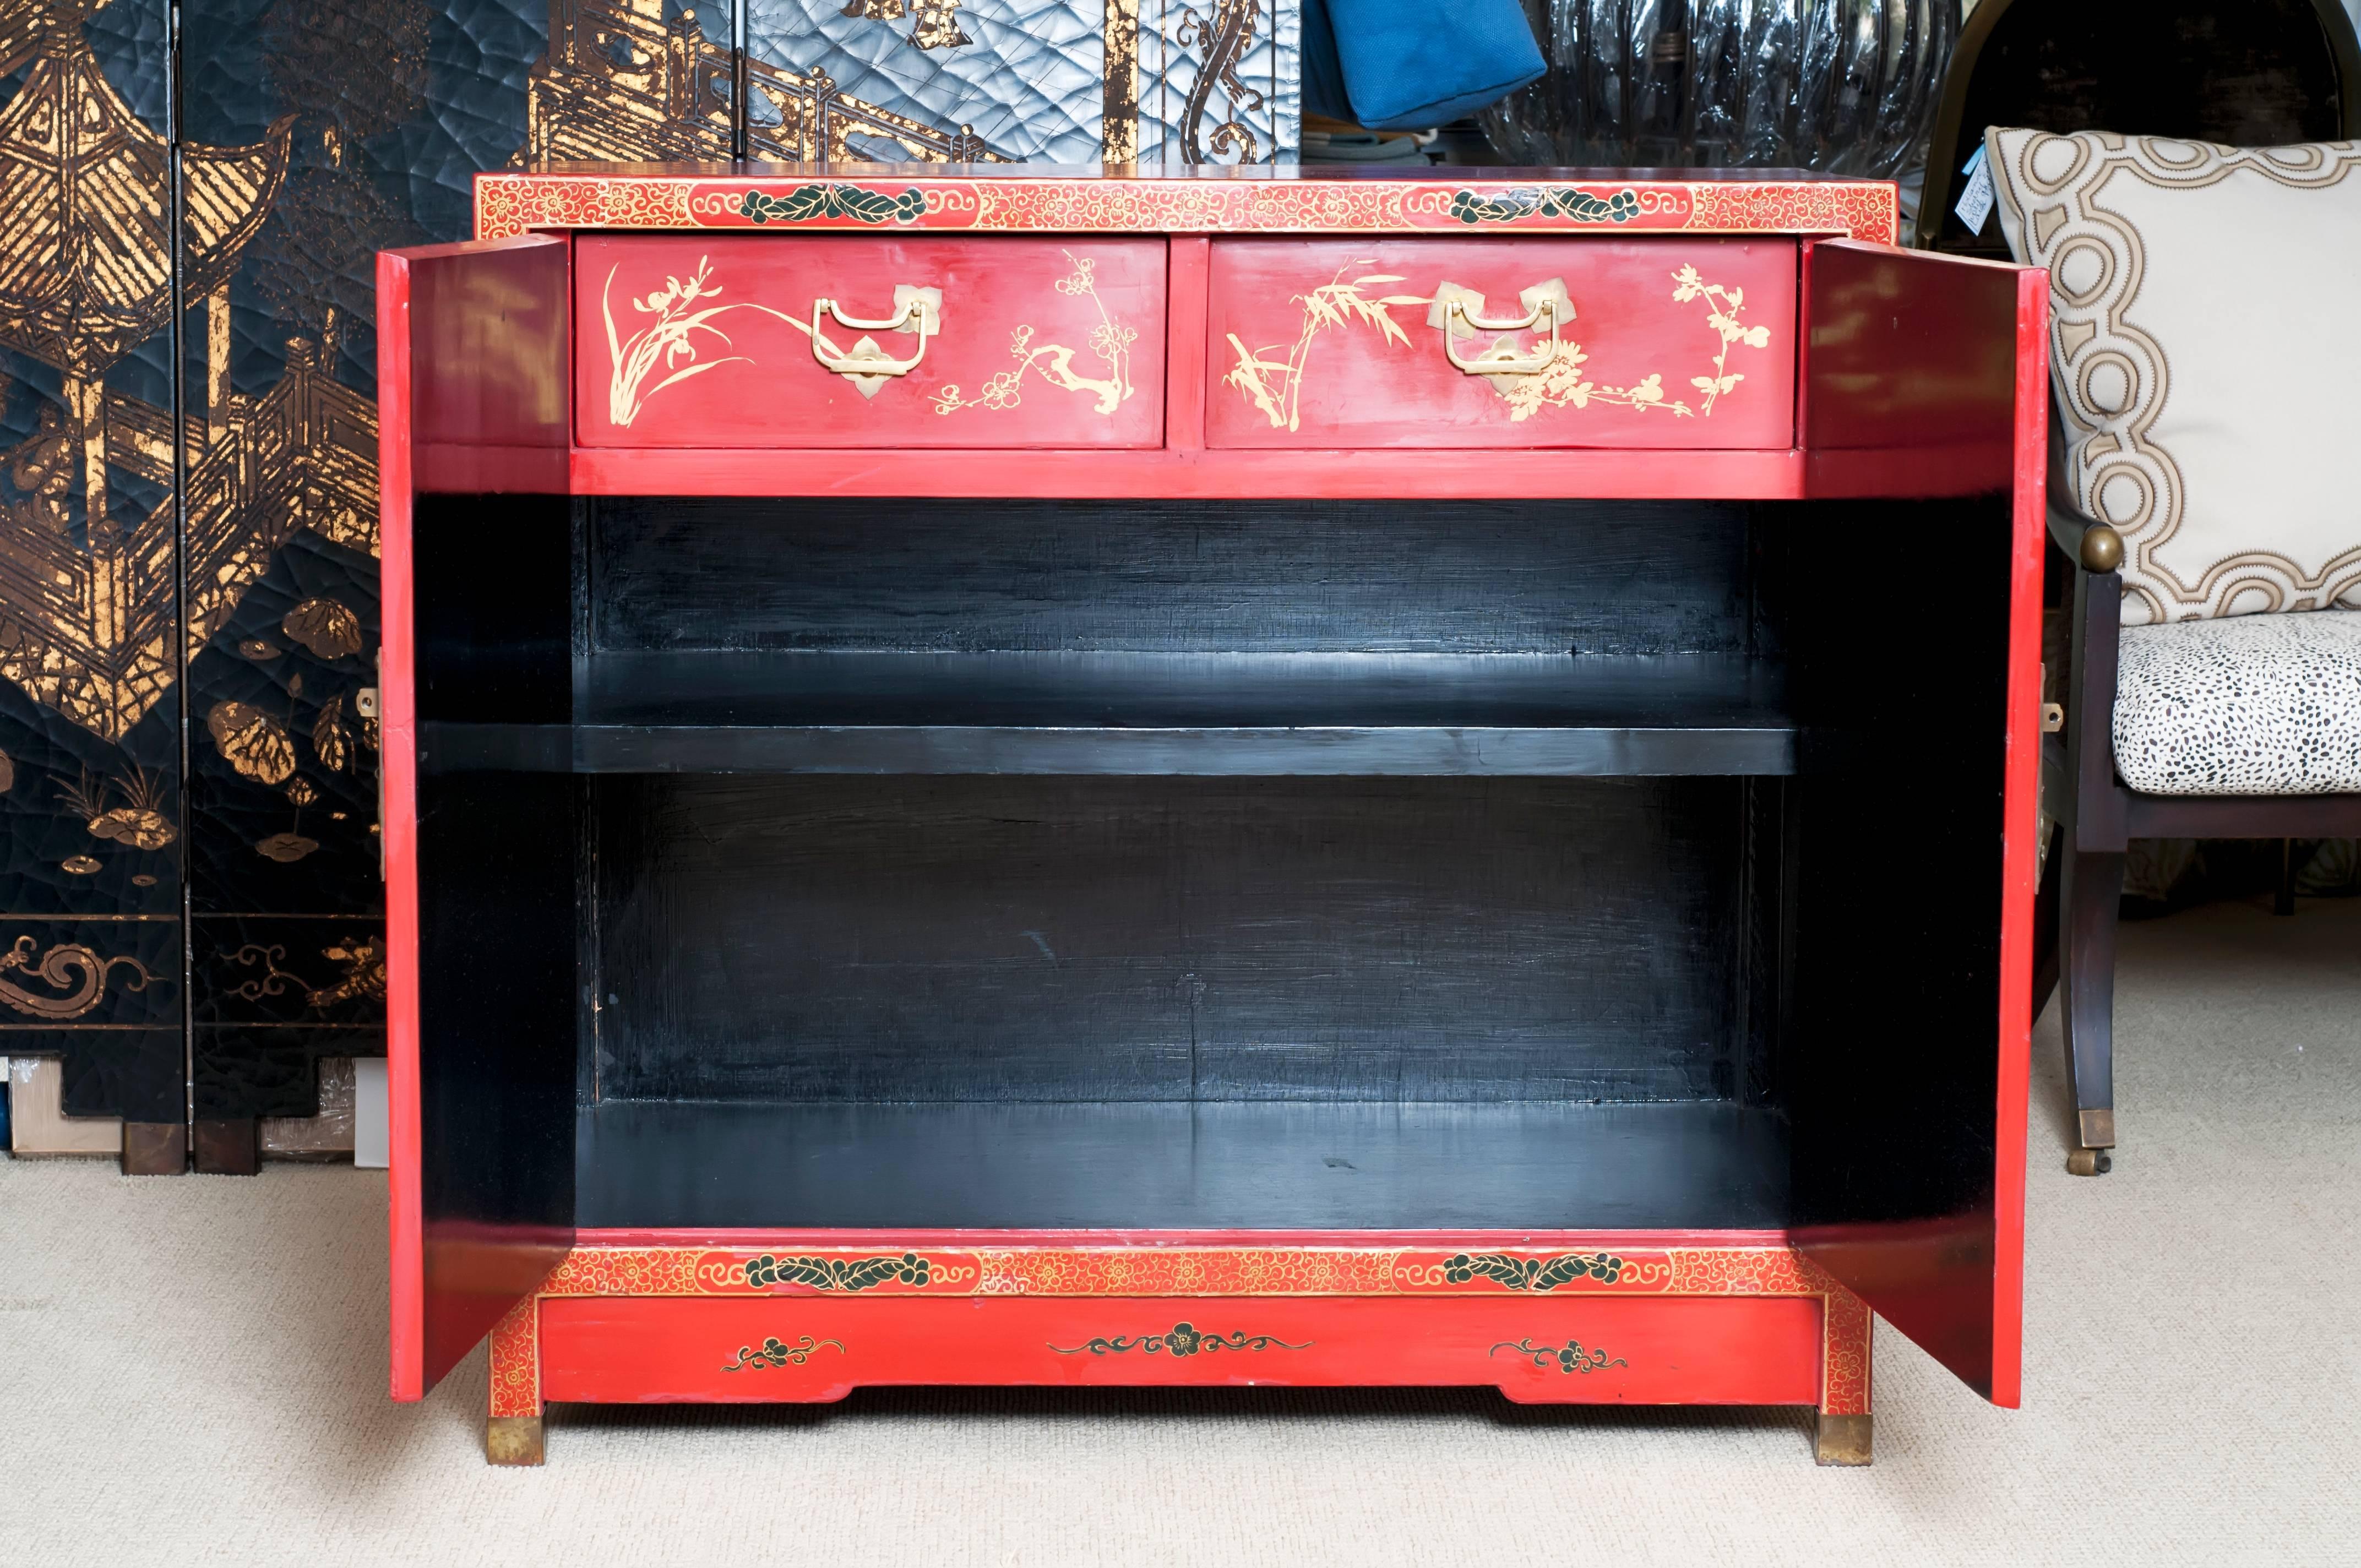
2206, 352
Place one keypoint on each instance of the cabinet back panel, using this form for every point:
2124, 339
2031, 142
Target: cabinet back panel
983, 939
1296, 1165
1280, 577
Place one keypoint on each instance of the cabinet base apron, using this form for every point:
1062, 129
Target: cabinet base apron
747, 1318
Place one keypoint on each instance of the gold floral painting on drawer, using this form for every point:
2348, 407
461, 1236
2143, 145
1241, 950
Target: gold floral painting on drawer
1109, 341
1529, 377
667, 349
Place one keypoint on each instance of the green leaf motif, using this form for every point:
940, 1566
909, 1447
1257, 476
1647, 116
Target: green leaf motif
1567, 203
837, 1273
1181, 1338
805, 202
1573, 1357
777, 1353
1534, 1273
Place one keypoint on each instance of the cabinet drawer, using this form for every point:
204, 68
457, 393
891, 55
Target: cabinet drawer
869, 341
1564, 341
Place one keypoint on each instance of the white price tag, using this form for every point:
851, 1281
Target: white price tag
1975, 204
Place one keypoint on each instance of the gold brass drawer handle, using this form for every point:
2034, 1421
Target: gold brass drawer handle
916, 310
1544, 303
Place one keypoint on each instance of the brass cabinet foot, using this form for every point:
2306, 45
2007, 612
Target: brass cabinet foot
512, 1440
1841, 1440
2090, 1162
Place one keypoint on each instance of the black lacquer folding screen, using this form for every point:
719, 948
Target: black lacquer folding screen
190, 909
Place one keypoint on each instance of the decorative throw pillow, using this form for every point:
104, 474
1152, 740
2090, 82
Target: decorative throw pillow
2208, 366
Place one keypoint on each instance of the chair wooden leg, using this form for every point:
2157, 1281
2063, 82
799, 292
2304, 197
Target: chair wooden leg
2285, 903
2092, 890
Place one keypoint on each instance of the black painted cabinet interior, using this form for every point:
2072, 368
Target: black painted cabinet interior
1284, 864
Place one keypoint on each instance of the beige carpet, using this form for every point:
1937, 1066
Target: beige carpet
195, 1372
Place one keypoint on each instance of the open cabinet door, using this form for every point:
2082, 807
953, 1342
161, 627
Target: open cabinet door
472, 362
1911, 823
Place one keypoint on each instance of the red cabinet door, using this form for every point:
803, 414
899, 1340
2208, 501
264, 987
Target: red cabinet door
1911, 1015
471, 395
869, 341
1564, 341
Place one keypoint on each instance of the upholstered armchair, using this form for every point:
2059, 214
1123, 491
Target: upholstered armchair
2207, 405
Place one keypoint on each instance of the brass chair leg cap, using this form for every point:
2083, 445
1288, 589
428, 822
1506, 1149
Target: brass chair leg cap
2097, 1128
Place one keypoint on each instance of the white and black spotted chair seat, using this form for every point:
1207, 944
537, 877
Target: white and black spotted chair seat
2250, 704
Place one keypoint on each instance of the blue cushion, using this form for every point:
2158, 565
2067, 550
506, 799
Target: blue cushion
1406, 66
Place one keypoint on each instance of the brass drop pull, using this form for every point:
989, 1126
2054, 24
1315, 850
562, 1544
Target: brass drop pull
1457, 308
915, 309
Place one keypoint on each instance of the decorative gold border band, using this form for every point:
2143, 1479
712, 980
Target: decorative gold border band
598, 1270
509, 204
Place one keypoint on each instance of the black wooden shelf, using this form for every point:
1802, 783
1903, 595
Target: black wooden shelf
1137, 714
1147, 1165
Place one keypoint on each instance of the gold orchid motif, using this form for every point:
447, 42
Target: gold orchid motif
665, 341
1275, 386
1110, 340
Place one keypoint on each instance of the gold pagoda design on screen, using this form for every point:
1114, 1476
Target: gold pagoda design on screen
85, 623
621, 82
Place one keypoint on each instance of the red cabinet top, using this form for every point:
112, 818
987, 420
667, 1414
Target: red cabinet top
1261, 200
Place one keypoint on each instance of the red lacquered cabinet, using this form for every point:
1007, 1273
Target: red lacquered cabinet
1088, 779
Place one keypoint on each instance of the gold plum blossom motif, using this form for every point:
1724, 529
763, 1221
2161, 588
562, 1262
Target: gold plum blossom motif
1723, 308
1110, 341
1561, 383
1275, 385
